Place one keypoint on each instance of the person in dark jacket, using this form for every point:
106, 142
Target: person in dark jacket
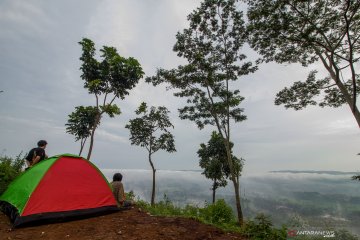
36, 154
118, 191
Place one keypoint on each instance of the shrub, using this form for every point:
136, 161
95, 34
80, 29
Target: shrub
262, 228
9, 169
130, 196
217, 213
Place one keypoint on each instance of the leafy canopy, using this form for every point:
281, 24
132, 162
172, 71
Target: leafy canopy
81, 121
211, 47
213, 159
114, 74
150, 129
297, 31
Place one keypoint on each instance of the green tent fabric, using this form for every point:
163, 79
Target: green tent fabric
19, 191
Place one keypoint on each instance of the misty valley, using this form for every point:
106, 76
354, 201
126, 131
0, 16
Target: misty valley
303, 200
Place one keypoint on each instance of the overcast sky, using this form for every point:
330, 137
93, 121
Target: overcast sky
40, 77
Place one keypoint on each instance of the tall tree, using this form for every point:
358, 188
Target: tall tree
290, 31
211, 45
108, 79
150, 130
213, 160
80, 123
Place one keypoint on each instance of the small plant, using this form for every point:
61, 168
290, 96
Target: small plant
130, 196
218, 213
262, 228
9, 169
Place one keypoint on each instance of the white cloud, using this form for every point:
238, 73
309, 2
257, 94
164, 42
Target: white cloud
107, 136
24, 15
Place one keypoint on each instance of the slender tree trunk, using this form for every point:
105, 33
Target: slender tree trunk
153, 181
347, 95
235, 181
82, 143
357, 116
335, 75
97, 120
348, 98
214, 192
91, 143
238, 201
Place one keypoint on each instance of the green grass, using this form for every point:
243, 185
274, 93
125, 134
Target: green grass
220, 215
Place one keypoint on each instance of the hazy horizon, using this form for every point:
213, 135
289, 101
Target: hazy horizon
294, 171
332, 199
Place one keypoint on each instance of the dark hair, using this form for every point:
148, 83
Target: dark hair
117, 177
42, 143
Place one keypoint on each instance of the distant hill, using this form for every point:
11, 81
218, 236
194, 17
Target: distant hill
316, 172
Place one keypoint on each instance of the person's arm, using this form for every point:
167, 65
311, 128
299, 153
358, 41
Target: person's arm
35, 160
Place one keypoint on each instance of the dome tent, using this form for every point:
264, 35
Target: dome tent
61, 187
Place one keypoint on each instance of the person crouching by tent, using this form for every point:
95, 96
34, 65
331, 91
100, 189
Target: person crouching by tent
36, 154
118, 191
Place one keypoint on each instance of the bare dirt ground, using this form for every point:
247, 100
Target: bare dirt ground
130, 225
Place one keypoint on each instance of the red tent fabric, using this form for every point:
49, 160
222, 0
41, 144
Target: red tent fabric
70, 185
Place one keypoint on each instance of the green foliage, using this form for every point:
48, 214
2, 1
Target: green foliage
213, 159
110, 109
10, 168
130, 195
302, 94
111, 78
297, 31
305, 32
211, 46
262, 228
161, 208
218, 213
114, 74
143, 129
81, 122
